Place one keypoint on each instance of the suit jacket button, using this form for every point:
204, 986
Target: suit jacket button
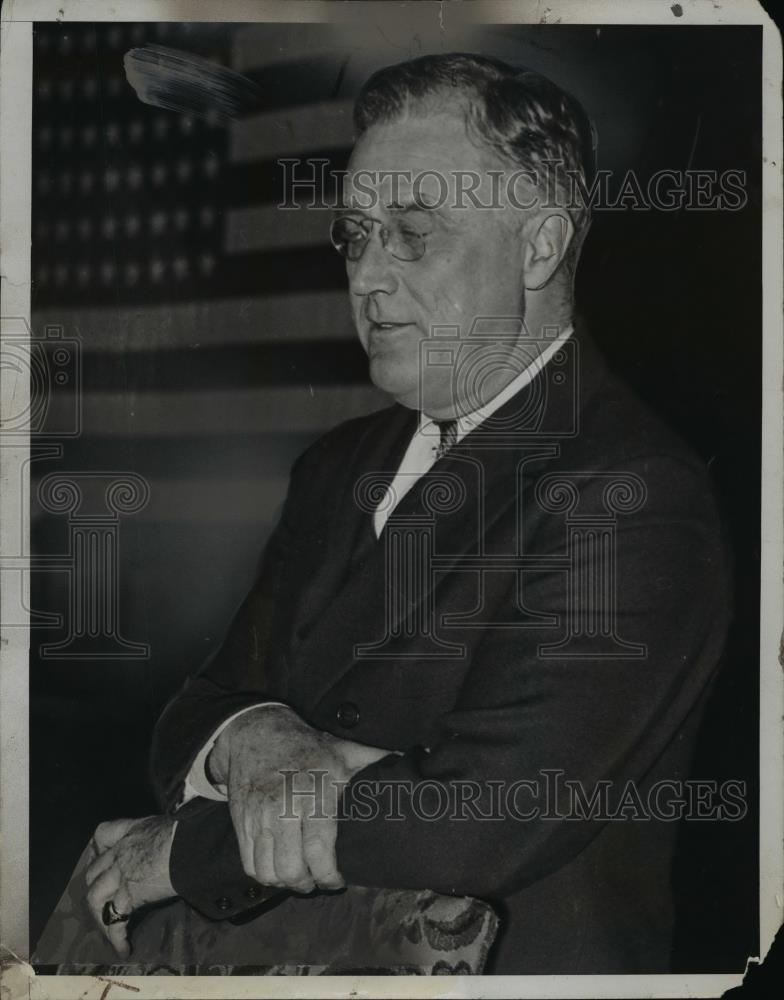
224, 903
348, 715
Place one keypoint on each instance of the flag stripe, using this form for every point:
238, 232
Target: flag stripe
271, 272
291, 132
301, 316
210, 500
251, 47
267, 181
298, 410
232, 366
267, 227
186, 456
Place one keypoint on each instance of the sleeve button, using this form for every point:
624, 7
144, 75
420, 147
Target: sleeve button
224, 903
348, 715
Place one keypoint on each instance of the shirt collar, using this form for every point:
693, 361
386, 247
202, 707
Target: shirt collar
467, 422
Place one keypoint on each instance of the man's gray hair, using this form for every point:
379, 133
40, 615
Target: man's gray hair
525, 117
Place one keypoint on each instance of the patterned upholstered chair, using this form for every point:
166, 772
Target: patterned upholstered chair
357, 930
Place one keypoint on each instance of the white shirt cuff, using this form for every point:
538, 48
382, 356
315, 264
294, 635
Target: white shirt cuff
196, 781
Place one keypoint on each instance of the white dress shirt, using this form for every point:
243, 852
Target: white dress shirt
422, 451
420, 456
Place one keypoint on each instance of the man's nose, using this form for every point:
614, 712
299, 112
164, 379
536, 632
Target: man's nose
374, 271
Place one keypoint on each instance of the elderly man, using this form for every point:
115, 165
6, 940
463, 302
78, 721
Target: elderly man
506, 592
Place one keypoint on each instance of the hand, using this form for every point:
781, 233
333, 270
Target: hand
131, 868
265, 758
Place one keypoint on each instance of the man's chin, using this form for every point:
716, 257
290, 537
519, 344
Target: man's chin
401, 387
412, 399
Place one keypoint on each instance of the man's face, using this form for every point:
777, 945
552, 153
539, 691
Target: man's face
473, 261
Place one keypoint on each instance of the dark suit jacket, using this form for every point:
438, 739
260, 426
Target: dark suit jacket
549, 665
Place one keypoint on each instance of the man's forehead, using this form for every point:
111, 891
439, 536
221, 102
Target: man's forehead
416, 159
436, 142
396, 188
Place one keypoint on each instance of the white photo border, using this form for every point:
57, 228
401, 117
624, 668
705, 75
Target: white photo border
15, 288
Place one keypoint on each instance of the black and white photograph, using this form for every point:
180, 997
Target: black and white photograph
391, 544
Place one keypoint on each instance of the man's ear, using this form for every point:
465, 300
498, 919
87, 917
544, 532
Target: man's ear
548, 240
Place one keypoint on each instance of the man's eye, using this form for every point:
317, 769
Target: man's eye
350, 230
410, 233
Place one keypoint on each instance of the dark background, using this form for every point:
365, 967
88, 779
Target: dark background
208, 377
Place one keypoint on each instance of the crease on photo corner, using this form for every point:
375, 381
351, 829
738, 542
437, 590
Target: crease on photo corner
18, 981
16, 977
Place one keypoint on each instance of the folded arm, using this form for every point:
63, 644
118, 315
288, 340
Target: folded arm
520, 714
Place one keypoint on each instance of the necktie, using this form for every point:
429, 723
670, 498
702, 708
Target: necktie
448, 431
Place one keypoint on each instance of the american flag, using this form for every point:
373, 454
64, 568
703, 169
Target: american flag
214, 326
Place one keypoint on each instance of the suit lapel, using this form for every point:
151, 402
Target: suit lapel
347, 531
458, 501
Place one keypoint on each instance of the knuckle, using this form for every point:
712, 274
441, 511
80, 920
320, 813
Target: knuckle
272, 801
320, 833
265, 837
100, 834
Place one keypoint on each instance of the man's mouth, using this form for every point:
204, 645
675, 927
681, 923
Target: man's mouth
387, 325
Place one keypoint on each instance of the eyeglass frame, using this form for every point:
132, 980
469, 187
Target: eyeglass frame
366, 223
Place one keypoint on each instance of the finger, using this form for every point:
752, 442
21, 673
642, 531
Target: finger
242, 821
118, 933
264, 845
254, 839
124, 901
264, 858
97, 867
319, 836
290, 866
100, 892
107, 834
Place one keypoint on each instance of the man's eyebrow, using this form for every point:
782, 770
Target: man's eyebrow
344, 208
348, 205
437, 210
415, 205
398, 207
